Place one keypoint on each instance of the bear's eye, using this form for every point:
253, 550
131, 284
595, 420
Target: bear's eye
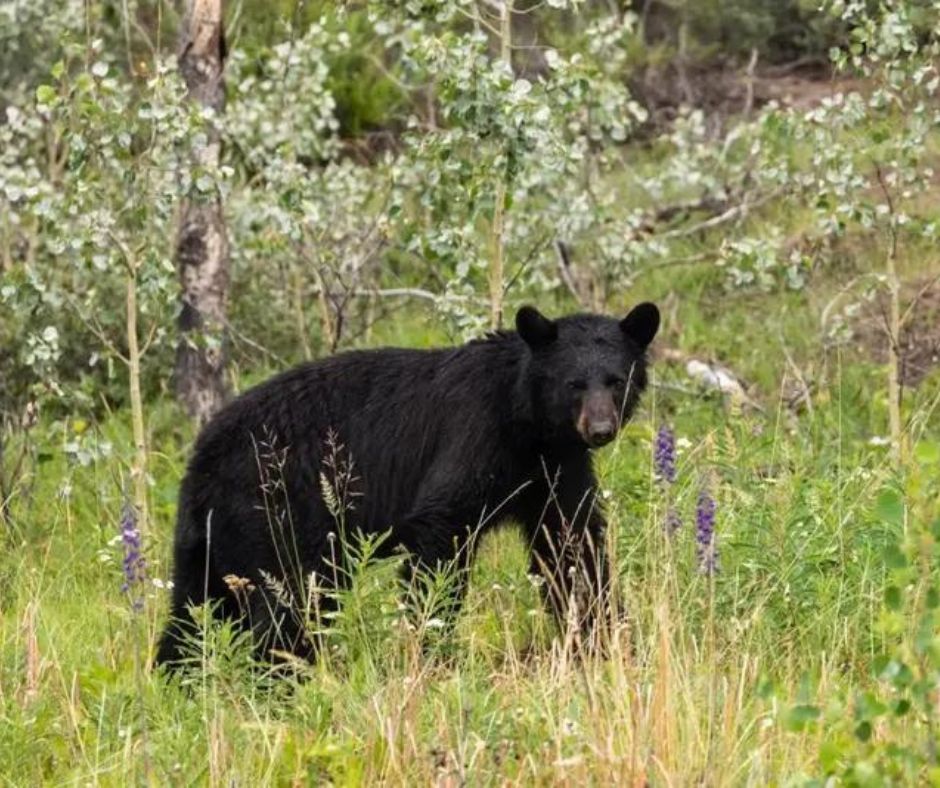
616, 382
576, 385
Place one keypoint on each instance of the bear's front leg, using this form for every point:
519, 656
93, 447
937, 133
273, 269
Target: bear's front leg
568, 551
440, 549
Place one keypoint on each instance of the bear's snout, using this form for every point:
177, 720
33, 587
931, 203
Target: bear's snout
598, 422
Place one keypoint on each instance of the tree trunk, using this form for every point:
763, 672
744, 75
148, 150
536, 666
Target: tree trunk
202, 250
498, 226
139, 468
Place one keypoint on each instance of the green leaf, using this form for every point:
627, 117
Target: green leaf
46, 94
901, 676
798, 717
890, 507
894, 558
933, 598
830, 754
765, 689
922, 690
863, 731
868, 706
927, 453
864, 774
893, 598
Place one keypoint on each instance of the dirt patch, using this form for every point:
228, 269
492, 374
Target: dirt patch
919, 345
725, 92
800, 91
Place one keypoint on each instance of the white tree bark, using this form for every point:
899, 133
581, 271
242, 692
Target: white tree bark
202, 249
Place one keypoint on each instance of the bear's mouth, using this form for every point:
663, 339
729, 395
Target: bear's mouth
597, 441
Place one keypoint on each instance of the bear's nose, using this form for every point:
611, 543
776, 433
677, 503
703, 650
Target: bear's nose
601, 433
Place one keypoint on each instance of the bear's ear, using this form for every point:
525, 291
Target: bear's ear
641, 324
536, 329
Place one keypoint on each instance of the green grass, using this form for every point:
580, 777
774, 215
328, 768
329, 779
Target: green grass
750, 677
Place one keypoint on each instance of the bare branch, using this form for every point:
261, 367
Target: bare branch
564, 272
91, 323
736, 211
240, 337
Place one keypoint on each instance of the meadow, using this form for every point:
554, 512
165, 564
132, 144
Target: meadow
768, 671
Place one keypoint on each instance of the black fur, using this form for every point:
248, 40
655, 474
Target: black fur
443, 444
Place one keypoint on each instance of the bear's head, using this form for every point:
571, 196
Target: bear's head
586, 372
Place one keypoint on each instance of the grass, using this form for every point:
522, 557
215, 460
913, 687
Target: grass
753, 676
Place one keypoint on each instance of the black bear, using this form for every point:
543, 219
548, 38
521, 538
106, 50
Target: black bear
430, 446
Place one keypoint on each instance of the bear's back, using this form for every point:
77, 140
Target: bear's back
387, 413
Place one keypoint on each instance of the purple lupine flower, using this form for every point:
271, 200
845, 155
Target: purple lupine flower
664, 461
664, 456
134, 565
705, 547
